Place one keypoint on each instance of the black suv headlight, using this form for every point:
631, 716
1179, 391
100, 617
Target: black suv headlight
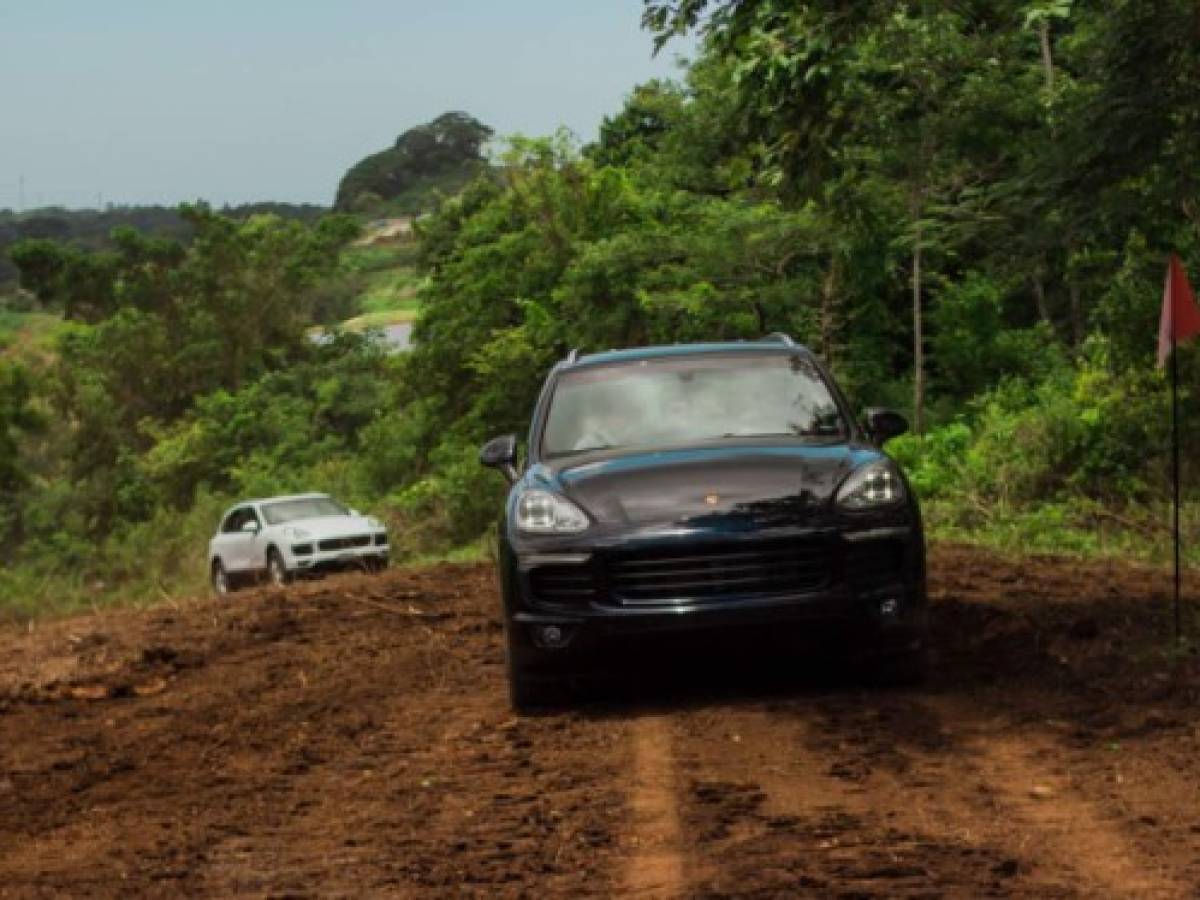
874, 486
541, 512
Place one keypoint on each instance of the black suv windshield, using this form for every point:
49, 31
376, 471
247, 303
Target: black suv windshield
685, 400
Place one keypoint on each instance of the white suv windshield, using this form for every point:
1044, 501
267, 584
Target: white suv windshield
305, 508
686, 400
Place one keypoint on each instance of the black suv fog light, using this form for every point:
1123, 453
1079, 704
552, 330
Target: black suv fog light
552, 637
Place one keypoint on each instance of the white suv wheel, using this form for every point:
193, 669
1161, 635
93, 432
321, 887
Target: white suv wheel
220, 580
276, 569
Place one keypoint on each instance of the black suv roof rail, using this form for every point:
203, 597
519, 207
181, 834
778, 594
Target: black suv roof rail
780, 338
775, 337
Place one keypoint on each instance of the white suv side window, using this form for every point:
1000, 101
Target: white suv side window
234, 521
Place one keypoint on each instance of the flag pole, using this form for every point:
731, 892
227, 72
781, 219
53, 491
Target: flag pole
1179, 321
1175, 470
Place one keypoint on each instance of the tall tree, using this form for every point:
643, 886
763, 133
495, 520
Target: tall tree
17, 418
453, 143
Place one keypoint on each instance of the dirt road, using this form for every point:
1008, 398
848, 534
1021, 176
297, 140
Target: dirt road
351, 738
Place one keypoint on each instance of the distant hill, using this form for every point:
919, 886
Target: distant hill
90, 228
433, 159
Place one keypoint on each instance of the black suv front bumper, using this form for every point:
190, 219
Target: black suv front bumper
840, 591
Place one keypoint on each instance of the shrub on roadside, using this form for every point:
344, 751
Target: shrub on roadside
1088, 431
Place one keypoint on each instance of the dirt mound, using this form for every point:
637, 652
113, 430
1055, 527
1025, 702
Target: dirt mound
351, 737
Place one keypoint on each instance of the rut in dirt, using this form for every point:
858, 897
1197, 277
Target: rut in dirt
1012, 773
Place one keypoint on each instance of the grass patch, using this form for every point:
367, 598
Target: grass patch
365, 259
1080, 528
135, 567
134, 575
482, 550
389, 277
10, 324
29, 336
390, 289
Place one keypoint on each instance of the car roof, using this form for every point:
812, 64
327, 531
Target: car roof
774, 344
311, 496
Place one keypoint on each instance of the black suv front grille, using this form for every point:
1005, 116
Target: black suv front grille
566, 584
345, 543
724, 571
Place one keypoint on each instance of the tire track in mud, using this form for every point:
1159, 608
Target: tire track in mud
981, 777
1025, 776
654, 867
771, 811
873, 795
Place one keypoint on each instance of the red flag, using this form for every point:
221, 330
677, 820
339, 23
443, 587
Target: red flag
1180, 318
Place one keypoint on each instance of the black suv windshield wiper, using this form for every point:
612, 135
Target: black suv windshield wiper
783, 434
575, 451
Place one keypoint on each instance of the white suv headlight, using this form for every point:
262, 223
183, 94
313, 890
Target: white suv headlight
298, 534
541, 512
373, 522
875, 485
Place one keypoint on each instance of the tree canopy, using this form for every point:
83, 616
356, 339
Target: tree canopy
452, 144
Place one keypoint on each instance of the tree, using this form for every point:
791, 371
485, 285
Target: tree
17, 417
895, 108
177, 324
651, 113
452, 143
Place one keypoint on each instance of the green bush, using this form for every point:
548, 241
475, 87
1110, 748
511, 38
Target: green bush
456, 504
1087, 431
934, 462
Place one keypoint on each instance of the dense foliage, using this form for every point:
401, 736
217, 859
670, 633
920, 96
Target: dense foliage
183, 375
964, 207
90, 229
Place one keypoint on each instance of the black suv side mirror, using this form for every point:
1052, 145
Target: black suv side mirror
501, 453
884, 424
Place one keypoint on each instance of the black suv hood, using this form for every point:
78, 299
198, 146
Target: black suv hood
766, 484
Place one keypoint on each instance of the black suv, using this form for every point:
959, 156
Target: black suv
704, 487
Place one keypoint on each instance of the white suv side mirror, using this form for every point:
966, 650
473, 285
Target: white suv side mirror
250, 527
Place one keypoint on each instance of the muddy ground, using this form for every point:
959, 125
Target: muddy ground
352, 738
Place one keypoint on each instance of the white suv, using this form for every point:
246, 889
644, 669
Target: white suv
282, 537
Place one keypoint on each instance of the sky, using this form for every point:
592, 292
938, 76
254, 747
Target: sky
232, 101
